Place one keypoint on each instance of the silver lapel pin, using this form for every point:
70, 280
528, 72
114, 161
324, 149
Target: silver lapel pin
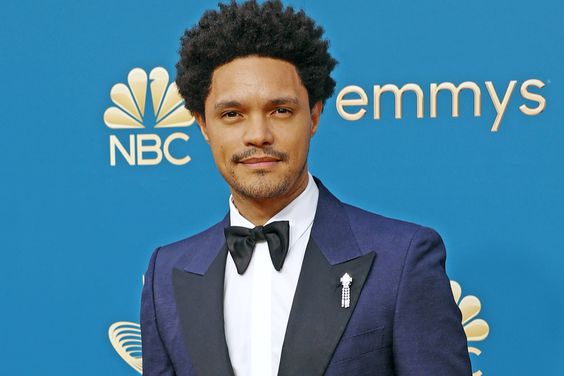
346, 281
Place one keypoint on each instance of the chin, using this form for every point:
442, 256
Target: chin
260, 185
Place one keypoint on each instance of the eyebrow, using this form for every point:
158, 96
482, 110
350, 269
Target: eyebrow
225, 104
284, 100
274, 102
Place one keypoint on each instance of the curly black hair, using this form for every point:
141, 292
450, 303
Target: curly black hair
239, 30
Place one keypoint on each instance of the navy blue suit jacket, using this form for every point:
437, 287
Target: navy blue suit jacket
402, 320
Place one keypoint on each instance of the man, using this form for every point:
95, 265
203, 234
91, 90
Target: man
291, 281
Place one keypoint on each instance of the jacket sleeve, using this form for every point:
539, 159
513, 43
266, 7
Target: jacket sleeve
156, 361
428, 337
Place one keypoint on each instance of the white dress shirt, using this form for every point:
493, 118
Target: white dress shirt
257, 303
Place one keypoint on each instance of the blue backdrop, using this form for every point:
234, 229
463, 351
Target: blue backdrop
77, 233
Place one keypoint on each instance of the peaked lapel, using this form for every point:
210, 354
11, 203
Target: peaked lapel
198, 288
317, 320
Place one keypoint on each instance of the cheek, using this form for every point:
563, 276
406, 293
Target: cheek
219, 145
300, 144
218, 153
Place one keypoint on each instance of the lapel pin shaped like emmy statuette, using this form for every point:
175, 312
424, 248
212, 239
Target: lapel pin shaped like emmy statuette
346, 281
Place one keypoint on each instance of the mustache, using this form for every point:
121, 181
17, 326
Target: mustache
262, 152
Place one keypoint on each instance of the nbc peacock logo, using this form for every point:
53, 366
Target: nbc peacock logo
476, 330
129, 116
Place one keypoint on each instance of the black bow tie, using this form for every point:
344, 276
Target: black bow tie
241, 243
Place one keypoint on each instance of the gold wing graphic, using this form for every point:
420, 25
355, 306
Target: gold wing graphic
125, 337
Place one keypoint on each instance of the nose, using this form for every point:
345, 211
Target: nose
258, 132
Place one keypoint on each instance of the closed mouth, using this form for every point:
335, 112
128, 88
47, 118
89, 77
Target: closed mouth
255, 160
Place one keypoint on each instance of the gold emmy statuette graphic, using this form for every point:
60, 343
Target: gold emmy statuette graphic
125, 337
167, 103
476, 329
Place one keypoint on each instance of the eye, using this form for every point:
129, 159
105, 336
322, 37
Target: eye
229, 114
281, 111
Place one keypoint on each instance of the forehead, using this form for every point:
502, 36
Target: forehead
255, 78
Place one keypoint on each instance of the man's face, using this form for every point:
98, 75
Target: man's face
259, 124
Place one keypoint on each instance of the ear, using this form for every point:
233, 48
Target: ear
315, 115
202, 124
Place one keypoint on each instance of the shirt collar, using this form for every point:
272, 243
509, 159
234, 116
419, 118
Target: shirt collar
300, 212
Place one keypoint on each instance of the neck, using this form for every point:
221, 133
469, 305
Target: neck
258, 211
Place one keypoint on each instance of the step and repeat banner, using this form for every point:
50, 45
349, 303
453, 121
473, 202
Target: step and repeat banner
448, 114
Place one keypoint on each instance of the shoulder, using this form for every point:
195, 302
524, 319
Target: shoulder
403, 249
387, 234
363, 219
173, 253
